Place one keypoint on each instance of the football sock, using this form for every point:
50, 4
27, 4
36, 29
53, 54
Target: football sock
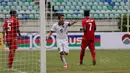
81, 56
10, 59
63, 59
93, 54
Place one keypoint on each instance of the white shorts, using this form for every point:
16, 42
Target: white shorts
62, 45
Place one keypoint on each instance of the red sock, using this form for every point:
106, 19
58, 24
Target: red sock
82, 52
93, 54
10, 59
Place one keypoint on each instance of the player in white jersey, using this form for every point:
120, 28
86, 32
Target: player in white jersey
61, 36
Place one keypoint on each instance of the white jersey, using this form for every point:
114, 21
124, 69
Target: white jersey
61, 30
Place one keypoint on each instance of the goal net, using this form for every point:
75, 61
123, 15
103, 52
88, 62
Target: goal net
26, 58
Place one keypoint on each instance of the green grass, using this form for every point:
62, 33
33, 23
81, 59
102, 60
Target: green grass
108, 61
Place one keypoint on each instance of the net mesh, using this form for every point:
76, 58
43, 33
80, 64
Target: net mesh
27, 55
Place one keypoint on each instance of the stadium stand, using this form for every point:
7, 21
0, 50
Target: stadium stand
102, 8
72, 9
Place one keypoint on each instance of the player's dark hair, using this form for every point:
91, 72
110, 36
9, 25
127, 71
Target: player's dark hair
86, 12
13, 12
60, 16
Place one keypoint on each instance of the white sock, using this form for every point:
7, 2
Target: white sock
63, 59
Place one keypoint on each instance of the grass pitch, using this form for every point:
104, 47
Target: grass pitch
108, 61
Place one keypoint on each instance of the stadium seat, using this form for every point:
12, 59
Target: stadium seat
75, 12
113, 0
65, 11
96, 4
83, 7
106, 4
74, 16
20, 3
32, 3
58, 3
25, 16
79, 4
1, 0
29, 0
88, 8
101, 15
85, 4
68, 4
26, 3
72, 7
38, 11
5, 11
7, 16
94, 7
99, 7
37, 16
104, 8
70, 11
9, 3
27, 11
80, 16
22, 11
67, 7
117, 15
20, 16
78, 7
13, 7
18, 7
61, 8
112, 16
63, 3
30, 8
12, 0
4, 4
24, 7
92, 11
106, 15
81, 11
112, 3
115, 8
7, 7
33, 11
56, 7
31, 16
69, 16
101, 3
15, 3
74, 3
117, 4
36, 7
59, 11
81, 0
95, 16
110, 7
90, 4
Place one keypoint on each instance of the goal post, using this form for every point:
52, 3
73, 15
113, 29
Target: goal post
43, 36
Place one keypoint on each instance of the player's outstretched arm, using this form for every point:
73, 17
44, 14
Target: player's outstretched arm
83, 29
72, 23
49, 34
18, 31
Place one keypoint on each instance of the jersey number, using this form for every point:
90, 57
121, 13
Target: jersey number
9, 26
61, 30
90, 26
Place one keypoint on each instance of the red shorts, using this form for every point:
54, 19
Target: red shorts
12, 43
89, 43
